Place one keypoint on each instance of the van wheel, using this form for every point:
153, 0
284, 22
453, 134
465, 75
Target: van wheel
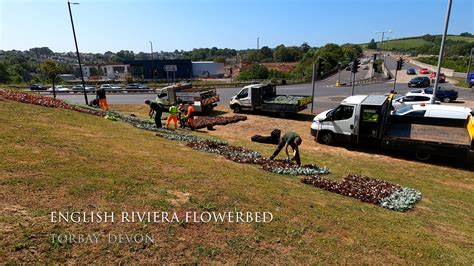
446, 100
237, 109
326, 138
422, 156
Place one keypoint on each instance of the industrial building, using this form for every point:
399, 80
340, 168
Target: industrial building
175, 69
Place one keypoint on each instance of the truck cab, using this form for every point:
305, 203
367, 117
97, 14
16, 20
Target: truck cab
203, 99
356, 116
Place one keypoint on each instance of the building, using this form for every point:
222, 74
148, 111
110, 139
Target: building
173, 69
208, 69
115, 71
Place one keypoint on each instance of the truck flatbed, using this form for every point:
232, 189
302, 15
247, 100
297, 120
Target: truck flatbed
429, 133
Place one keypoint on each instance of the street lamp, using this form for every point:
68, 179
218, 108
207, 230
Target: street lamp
77, 51
258, 63
441, 51
152, 65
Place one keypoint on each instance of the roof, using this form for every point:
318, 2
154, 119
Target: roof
442, 108
356, 99
375, 100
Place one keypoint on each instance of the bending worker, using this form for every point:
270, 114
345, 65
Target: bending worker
102, 99
191, 116
157, 108
173, 115
289, 139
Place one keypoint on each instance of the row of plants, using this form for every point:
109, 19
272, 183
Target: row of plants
366, 189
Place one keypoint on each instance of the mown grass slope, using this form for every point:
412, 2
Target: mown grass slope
59, 160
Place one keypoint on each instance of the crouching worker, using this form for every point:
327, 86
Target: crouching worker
173, 115
158, 109
289, 139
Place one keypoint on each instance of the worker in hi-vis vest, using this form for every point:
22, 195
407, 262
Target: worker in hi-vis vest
173, 115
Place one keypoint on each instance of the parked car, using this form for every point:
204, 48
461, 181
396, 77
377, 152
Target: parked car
60, 89
419, 82
424, 71
442, 77
37, 87
445, 95
137, 86
411, 71
470, 80
111, 87
435, 110
78, 88
408, 100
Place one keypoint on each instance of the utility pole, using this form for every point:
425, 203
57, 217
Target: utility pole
152, 66
77, 51
441, 51
381, 44
314, 81
469, 65
258, 63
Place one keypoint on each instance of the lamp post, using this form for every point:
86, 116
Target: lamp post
152, 65
441, 51
258, 63
77, 52
381, 43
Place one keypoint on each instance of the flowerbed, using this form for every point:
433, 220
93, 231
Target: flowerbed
366, 189
370, 190
205, 121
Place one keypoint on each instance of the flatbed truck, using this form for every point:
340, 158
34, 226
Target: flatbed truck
367, 120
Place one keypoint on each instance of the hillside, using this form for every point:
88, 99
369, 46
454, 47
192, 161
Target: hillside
429, 44
60, 160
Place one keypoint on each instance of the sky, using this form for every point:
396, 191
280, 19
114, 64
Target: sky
113, 25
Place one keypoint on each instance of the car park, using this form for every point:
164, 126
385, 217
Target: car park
60, 89
411, 71
137, 87
424, 71
442, 77
435, 111
408, 100
111, 87
37, 87
419, 82
445, 95
78, 88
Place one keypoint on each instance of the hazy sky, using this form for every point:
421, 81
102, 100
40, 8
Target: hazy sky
106, 25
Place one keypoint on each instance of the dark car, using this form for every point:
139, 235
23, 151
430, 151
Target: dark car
470, 80
419, 82
36, 87
411, 71
445, 95
137, 87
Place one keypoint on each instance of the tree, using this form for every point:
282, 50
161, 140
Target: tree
219, 59
351, 51
305, 47
372, 45
265, 53
253, 71
51, 70
94, 71
281, 54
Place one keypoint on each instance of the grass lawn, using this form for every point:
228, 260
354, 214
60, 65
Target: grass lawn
60, 160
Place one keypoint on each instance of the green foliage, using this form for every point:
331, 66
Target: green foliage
123, 55
256, 71
372, 44
287, 54
219, 59
206, 54
458, 63
51, 70
430, 44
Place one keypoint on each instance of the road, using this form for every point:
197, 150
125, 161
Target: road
327, 95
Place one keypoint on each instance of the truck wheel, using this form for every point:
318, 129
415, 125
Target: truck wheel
446, 100
422, 156
237, 109
326, 138
282, 114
